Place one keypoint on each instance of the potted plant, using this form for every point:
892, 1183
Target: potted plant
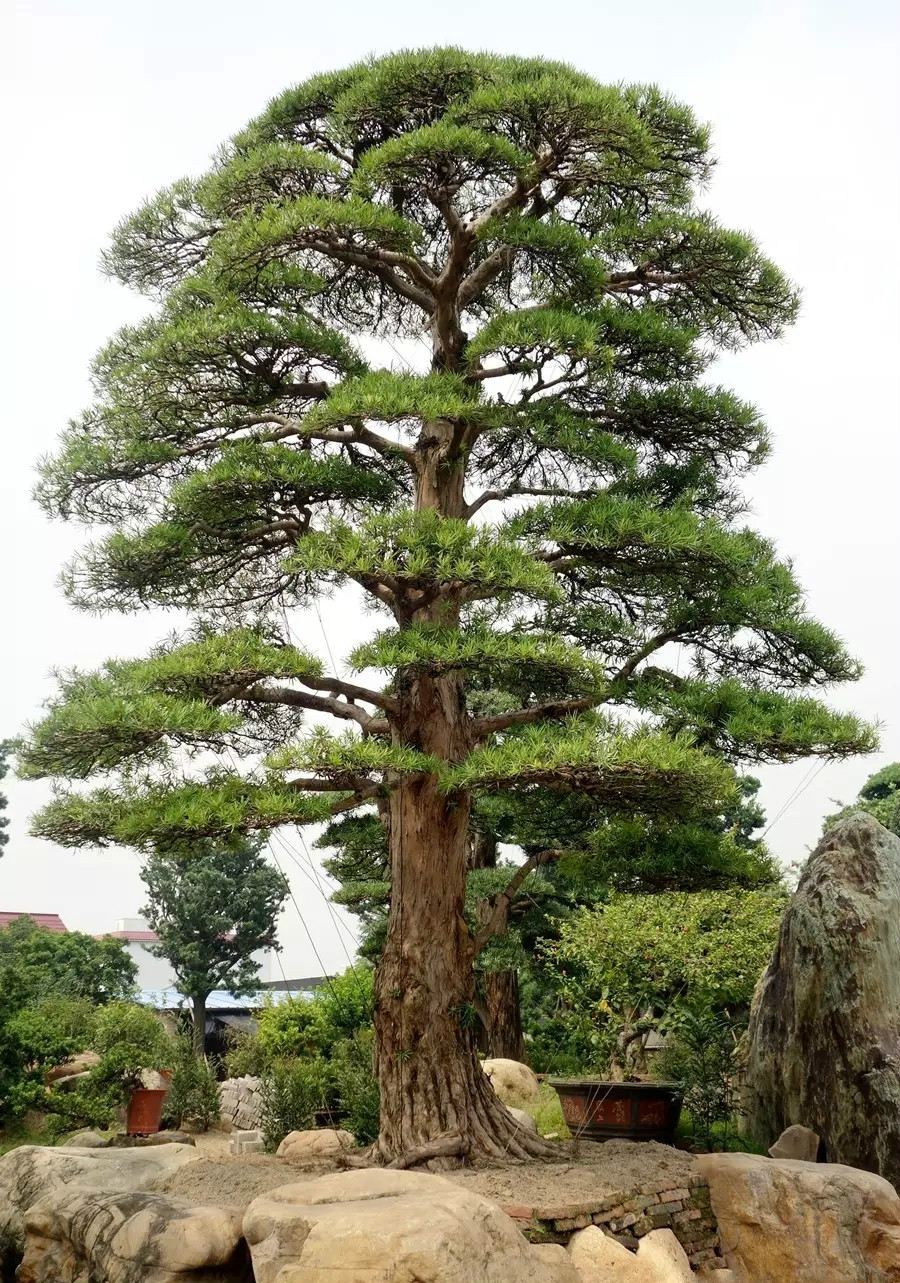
600, 1109
136, 1054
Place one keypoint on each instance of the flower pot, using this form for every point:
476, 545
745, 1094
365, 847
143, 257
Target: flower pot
145, 1111
598, 1110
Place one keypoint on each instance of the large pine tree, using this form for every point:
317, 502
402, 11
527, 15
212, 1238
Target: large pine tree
546, 502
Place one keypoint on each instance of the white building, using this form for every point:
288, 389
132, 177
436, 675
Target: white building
154, 974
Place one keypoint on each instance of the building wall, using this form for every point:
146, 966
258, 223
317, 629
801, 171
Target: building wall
155, 973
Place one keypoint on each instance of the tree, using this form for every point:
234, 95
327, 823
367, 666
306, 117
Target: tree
64, 964
550, 501
4, 822
879, 796
213, 904
50, 985
638, 960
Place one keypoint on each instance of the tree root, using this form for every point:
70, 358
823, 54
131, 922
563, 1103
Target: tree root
443, 1147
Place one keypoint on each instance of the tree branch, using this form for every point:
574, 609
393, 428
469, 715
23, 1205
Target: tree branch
510, 492
538, 712
350, 691
496, 921
290, 698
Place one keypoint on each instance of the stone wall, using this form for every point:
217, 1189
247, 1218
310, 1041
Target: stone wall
630, 1214
240, 1103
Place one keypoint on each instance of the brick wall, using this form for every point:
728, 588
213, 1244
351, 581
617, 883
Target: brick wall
629, 1214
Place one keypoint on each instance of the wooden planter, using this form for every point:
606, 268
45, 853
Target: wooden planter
600, 1110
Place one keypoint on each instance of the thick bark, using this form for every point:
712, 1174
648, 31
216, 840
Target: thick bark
432, 1085
198, 1023
503, 1018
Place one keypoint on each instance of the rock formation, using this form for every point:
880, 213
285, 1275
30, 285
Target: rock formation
781, 1220
316, 1146
824, 1036
82, 1235
33, 1171
380, 1224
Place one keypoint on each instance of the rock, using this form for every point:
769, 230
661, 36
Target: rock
511, 1080
824, 1037
80, 1064
32, 1171
660, 1258
314, 1146
69, 1081
716, 1276
88, 1140
155, 1138
663, 1258
796, 1141
378, 1225
79, 1235
524, 1119
558, 1261
781, 1220
600, 1259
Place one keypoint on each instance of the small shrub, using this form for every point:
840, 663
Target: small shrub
194, 1092
703, 1061
356, 1086
292, 1091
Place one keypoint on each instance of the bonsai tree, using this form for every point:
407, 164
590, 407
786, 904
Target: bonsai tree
213, 904
547, 500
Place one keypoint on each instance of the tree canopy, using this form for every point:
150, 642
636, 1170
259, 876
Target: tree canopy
213, 905
4, 822
540, 491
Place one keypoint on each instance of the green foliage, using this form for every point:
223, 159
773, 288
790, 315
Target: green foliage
292, 1091
879, 797
193, 1095
631, 965
128, 1039
702, 1060
44, 964
212, 905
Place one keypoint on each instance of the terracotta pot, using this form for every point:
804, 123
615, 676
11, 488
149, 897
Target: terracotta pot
145, 1111
599, 1110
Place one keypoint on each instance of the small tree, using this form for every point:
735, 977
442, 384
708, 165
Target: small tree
550, 500
212, 904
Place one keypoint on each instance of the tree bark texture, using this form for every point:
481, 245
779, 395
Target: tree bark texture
198, 1023
503, 1033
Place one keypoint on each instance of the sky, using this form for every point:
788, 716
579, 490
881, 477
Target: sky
105, 101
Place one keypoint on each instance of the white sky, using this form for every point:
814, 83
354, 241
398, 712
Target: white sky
110, 99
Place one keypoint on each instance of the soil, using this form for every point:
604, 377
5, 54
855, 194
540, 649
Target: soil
589, 1169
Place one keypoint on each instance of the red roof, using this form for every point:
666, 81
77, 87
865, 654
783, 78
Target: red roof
139, 937
49, 921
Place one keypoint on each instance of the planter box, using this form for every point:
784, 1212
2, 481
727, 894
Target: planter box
599, 1110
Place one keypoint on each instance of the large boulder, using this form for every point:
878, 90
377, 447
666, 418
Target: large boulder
378, 1226
796, 1141
80, 1064
781, 1220
598, 1258
511, 1080
824, 1036
314, 1146
33, 1171
83, 1235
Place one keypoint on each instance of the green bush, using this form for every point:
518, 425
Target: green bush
702, 1060
355, 1085
292, 1091
194, 1092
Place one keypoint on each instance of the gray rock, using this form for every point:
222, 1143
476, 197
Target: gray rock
824, 1037
88, 1140
798, 1142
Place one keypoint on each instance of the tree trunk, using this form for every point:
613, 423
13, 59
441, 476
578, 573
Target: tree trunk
436, 1101
504, 1036
198, 1023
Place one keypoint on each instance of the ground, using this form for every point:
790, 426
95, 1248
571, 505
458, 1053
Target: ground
588, 1170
